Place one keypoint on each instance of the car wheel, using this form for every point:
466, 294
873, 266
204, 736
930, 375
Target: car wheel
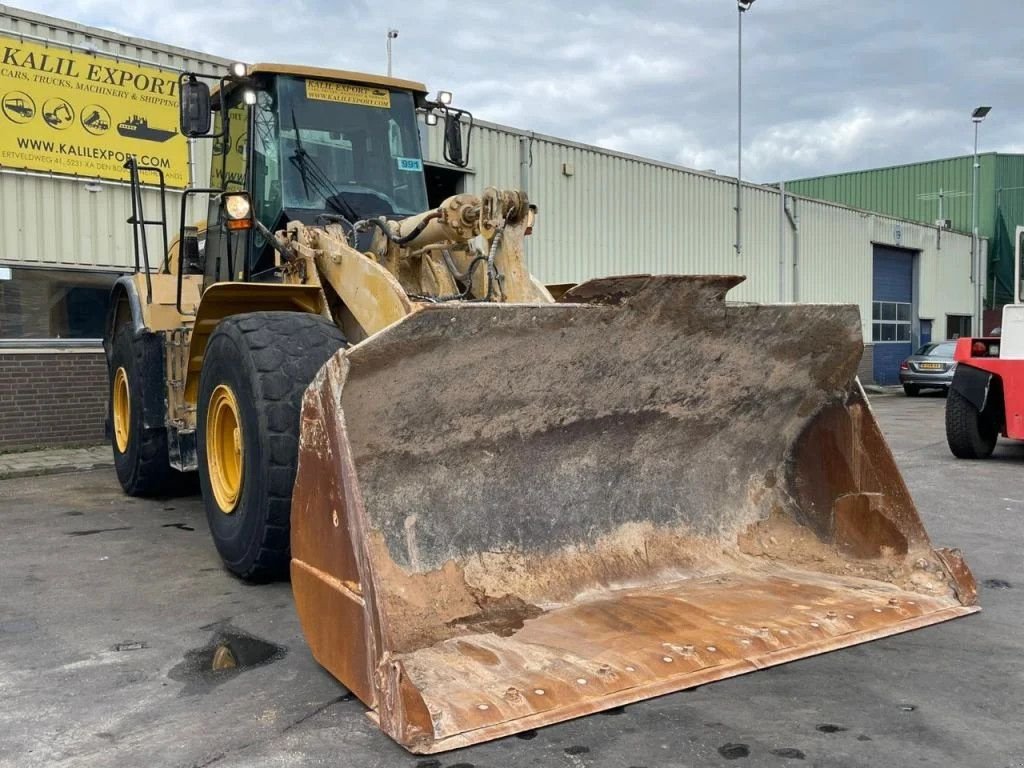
912, 390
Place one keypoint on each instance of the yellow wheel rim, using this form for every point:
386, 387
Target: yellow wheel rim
224, 453
122, 407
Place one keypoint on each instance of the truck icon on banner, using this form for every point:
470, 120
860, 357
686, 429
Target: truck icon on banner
18, 107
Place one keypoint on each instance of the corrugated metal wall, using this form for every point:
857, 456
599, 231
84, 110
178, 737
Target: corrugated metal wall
906, 191
618, 214
74, 223
911, 192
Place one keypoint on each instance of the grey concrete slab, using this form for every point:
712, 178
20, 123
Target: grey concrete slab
107, 604
54, 461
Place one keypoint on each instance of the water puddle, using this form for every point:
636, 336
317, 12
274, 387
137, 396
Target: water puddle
229, 653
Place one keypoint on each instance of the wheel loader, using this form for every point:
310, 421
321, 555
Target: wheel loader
497, 510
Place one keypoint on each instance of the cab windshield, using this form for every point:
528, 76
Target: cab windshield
338, 148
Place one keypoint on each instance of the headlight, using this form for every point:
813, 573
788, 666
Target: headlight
237, 206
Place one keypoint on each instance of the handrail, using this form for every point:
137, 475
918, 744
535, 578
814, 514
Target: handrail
181, 237
138, 218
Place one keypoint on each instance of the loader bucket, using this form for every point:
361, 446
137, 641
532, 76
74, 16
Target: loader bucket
506, 516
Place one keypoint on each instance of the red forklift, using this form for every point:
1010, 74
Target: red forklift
986, 398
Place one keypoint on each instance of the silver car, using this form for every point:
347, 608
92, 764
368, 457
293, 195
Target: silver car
931, 366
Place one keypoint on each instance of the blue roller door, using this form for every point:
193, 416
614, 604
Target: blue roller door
893, 297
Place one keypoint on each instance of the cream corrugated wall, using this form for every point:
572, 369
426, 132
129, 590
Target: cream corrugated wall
56, 221
618, 214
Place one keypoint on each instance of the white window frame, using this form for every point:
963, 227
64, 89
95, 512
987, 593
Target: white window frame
897, 324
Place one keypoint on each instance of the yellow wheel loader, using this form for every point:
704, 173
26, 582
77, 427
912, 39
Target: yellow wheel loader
498, 510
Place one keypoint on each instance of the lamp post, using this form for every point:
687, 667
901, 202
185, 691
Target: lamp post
742, 6
392, 34
979, 114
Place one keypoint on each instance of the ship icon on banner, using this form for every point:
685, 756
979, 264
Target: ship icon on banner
138, 127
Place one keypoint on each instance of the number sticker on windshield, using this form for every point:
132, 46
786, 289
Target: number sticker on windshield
345, 93
409, 164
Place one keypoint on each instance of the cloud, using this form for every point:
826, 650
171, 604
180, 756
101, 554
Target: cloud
805, 146
829, 85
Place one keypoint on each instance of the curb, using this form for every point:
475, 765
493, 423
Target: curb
874, 389
60, 469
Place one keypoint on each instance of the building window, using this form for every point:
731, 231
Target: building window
890, 321
54, 303
957, 326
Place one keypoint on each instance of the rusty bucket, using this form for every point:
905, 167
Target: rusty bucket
506, 516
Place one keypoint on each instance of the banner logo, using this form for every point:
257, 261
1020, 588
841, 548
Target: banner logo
75, 113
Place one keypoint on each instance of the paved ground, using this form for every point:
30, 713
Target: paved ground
110, 610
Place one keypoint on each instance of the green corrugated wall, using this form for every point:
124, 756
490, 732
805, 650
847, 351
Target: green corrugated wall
911, 192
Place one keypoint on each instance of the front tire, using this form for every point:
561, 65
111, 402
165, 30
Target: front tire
255, 370
971, 433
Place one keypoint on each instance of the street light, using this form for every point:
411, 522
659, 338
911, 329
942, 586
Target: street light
979, 114
742, 6
392, 35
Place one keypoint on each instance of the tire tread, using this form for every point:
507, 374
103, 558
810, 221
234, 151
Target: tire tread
964, 429
152, 474
287, 349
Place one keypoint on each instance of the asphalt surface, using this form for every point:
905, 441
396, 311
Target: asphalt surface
111, 610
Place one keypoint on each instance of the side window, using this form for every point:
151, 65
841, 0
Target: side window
958, 326
266, 159
228, 162
226, 251
267, 195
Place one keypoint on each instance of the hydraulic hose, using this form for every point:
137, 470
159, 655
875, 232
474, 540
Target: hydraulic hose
404, 239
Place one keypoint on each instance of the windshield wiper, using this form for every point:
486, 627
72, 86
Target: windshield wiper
298, 157
313, 174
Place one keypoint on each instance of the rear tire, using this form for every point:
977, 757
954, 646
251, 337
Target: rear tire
911, 390
971, 433
255, 370
140, 452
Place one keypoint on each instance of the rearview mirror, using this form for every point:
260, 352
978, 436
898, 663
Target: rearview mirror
194, 101
453, 149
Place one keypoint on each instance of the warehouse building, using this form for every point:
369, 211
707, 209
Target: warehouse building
64, 240
940, 192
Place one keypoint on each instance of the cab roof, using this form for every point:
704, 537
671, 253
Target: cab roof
337, 74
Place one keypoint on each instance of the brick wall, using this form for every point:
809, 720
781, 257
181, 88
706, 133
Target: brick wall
52, 398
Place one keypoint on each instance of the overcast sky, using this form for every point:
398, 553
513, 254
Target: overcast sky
829, 85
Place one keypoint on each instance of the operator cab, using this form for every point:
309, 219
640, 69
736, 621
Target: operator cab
310, 145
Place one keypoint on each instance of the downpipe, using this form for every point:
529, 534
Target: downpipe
790, 207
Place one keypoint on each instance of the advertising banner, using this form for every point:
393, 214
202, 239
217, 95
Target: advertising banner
81, 114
